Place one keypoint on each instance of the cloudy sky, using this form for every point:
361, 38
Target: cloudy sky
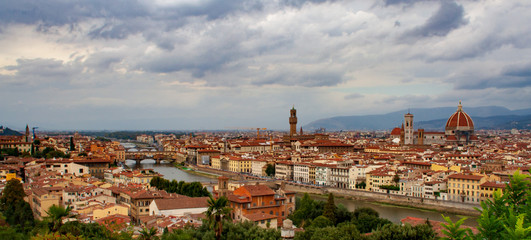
205, 64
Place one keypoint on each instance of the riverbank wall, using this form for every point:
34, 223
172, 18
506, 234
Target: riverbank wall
231, 175
415, 202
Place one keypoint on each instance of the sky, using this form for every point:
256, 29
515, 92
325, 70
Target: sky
205, 64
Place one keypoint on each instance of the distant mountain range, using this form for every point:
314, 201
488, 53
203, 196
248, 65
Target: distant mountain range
489, 117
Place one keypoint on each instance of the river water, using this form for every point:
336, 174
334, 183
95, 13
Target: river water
168, 170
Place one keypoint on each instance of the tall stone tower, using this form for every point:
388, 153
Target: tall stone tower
408, 129
223, 187
293, 122
27, 136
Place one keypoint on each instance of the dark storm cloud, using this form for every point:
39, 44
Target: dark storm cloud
118, 30
306, 79
122, 17
198, 61
518, 71
518, 76
214, 9
33, 72
396, 2
58, 12
450, 16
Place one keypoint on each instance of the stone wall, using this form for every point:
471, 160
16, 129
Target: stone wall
438, 205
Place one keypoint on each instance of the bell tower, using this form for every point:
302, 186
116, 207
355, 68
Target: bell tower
223, 188
408, 129
27, 136
293, 122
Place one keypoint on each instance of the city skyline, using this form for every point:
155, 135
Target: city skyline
216, 64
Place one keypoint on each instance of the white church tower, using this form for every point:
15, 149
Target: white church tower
408, 129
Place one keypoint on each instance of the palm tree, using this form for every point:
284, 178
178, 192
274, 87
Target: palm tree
217, 211
55, 216
148, 234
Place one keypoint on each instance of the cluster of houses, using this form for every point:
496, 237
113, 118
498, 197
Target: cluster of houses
125, 198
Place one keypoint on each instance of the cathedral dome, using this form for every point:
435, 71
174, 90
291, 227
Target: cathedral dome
459, 121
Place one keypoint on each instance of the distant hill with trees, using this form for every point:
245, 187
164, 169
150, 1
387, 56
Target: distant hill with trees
5, 131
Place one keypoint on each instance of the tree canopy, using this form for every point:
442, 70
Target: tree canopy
192, 189
17, 212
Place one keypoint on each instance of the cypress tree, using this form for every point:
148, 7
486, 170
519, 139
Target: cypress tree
329, 210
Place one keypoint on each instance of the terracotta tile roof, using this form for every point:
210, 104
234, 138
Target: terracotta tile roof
181, 203
396, 131
257, 190
468, 177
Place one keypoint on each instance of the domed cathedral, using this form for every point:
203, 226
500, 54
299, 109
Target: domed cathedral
460, 127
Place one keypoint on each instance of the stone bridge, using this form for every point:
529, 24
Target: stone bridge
158, 156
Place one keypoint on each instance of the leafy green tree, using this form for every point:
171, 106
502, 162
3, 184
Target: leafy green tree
217, 211
56, 215
365, 211
326, 233
344, 231
453, 231
519, 231
517, 194
248, 230
193, 189
12, 193
342, 214
56, 236
88, 230
490, 220
17, 212
348, 230
10, 152
270, 170
396, 179
72, 145
367, 220
329, 210
179, 234
11, 233
306, 209
20, 216
148, 234
406, 232
321, 222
